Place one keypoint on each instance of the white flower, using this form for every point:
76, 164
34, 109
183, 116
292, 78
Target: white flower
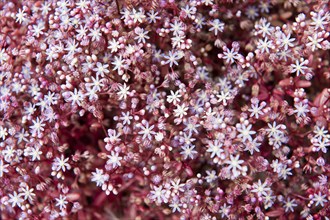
274, 130
141, 35
118, 63
319, 199
3, 133
176, 186
37, 127
3, 168
113, 45
286, 41
126, 118
216, 26
314, 42
320, 132
171, 58
137, 16
322, 144
21, 16
245, 132
256, 110
8, 153
35, 153
27, 193
252, 12
71, 47
235, 166
264, 45
174, 97
75, 97
211, 176
61, 202
180, 110
82, 32
95, 34
37, 29
177, 27
114, 159
230, 55
224, 210
289, 205
223, 97
146, 130
284, 172
252, 146
260, 188
15, 199
152, 16
299, 67
301, 109
124, 91
188, 151
175, 205
99, 177
61, 164
215, 148
319, 19
159, 194
101, 69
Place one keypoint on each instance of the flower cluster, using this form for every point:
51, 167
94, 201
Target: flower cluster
138, 109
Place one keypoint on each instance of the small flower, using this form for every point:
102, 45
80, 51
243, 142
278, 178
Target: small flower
113, 45
174, 97
35, 153
95, 34
299, 67
123, 91
286, 41
153, 16
118, 63
21, 16
230, 55
319, 199
99, 177
211, 176
126, 118
159, 194
61, 164
188, 151
264, 45
216, 26
252, 12
146, 130
101, 69
28, 193
37, 127
245, 131
180, 111
171, 58
215, 148
61, 202
235, 166
289, 205
314, 42
141, 35
75, 97
3, 168
260, 188
114, 159
15, 199
3, 133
